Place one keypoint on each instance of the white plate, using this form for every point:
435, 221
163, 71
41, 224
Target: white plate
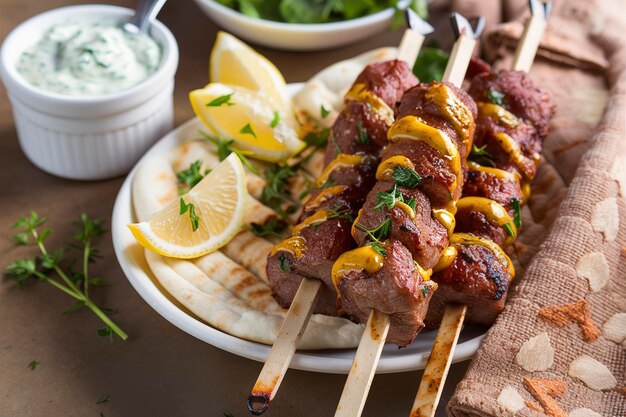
131, 258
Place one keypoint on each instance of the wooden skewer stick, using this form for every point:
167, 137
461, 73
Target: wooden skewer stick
371, 345
531, 37
433, 380
291, 330
436, 371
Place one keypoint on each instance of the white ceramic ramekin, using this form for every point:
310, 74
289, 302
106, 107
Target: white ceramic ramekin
88, 138
296, 36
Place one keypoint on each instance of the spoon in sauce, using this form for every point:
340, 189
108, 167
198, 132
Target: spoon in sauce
137, 25
145, 12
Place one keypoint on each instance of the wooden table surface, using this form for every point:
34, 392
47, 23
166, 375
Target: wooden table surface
160, 370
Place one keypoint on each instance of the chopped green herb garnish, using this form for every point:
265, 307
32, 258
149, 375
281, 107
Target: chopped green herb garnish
33, 364
340, 212
103, 399
51, 267
411, 203
481, 156
225, 99
380, 232
482, 151
425, 291
517, 218
323, 112
451, 195
317, 139
378, 248
191, 176
275, 120
247, 130
193, 217
283, 264
269, 228
406, 177
362, 136
225, 148
495, 96
509, 230
389, 199
275, 194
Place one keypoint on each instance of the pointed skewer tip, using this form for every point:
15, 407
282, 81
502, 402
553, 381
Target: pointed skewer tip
462, 26
540, 8
416, 23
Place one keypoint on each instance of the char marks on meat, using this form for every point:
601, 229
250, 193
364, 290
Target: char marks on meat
323, 234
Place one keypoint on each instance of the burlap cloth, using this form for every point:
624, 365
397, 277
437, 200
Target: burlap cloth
559, 347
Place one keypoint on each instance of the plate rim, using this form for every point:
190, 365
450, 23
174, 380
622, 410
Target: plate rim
315, 361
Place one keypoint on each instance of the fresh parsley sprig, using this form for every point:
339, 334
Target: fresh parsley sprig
48, 266
379, 233
191, 176
406, 177
274, 194
225, 148
389, 198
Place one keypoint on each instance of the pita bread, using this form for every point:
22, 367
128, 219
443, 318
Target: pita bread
227, 289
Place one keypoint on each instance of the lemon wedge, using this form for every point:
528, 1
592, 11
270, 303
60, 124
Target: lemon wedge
202, 220
249, 118
233, 62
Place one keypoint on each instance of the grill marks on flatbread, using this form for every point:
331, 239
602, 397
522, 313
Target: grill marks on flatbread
227, 288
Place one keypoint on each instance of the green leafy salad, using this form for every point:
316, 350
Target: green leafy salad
321, 11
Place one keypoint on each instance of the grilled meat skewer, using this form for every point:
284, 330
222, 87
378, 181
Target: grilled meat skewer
352, 155
513, 118
407, 218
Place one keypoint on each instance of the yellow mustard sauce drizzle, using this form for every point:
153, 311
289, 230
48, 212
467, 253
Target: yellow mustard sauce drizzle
324, 195
493, 211
446, 258
455, 110
512, 148
318, 217
413, 128
446, 219
359, 92
425, 273
293, 244
341, 161
353, 230
499, 113
460, 239
386, 167
496, 172
363, 258
405, 208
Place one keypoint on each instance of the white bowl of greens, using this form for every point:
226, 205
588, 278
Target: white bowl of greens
307, 24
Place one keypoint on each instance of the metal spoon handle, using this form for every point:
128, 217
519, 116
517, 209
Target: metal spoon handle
146, 11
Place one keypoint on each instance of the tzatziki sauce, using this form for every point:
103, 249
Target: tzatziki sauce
89, 59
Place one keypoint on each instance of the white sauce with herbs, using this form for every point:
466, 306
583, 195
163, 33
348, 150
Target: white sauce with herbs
89, 59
